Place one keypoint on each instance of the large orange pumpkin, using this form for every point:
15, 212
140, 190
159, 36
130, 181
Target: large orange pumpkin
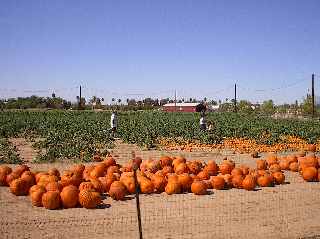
69, 196
272, 159
203, 175
20, 169
194, 167
89, 199
236, 171
117, 190
284, 164
51, 200
78, 169
199, 188
19, 187
212, 168
98, 186
310, 174
54, 186
10, 177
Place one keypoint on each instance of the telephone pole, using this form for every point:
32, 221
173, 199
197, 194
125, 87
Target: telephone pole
175, 100
235, 98
80, 98
312, 95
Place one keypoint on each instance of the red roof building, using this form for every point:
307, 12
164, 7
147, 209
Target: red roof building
183, 107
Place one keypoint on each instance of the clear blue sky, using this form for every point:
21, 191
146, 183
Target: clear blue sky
121, 48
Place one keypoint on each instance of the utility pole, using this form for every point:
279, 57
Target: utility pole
235, 98
80, 98
175, 100
312, 95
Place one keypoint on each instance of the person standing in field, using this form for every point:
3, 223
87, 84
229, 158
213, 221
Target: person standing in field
113, 123
203, 123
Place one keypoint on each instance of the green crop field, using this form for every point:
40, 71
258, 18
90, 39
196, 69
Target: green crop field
69, 134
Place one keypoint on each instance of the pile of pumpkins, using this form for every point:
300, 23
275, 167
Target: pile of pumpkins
84, 185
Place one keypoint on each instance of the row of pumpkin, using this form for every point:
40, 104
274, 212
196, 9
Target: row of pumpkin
83, 185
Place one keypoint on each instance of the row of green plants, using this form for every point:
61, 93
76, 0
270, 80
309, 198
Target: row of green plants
73, 134
8, 154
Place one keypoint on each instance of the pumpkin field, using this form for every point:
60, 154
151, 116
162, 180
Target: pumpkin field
250, 177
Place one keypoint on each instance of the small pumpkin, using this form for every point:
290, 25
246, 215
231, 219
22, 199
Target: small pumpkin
225, 168
86, 186
54, 171
275, 168
284, 164
20, 169
236, 171
5, 169
181, 168
203, 175
294, 166
165, 161
54, 186
98, 186
36, 188
146, 186
264, 181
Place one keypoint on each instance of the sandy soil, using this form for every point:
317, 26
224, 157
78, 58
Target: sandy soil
291, 210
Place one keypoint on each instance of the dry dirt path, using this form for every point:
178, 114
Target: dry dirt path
24, 149
291, 210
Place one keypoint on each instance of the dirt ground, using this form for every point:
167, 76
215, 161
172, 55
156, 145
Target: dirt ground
291, 210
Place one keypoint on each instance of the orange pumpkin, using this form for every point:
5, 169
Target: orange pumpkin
20, 169
78, 169
185, 180
264, 181
54, 172
212, 168
312, 148
117, 190
36, 188
284, 164
217, 182
10, 177
159, 183
237, 181
89, 199
98, 186
261, 164
129, 183
167, 169
3, 177
275, 168
86, 186
225, 168
51, 200
236, 171
199, 188
69, 196
146, 186
181, 168
194, 167
173, 187
292, 158
54, 186
36, 197
294, 166
272, 159
165, 161
19, 187
203, 175
5, 170
109, 161
278, 177
249, 183
310, 174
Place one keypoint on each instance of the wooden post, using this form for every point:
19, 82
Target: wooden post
137, 199
312, 95
80, 98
